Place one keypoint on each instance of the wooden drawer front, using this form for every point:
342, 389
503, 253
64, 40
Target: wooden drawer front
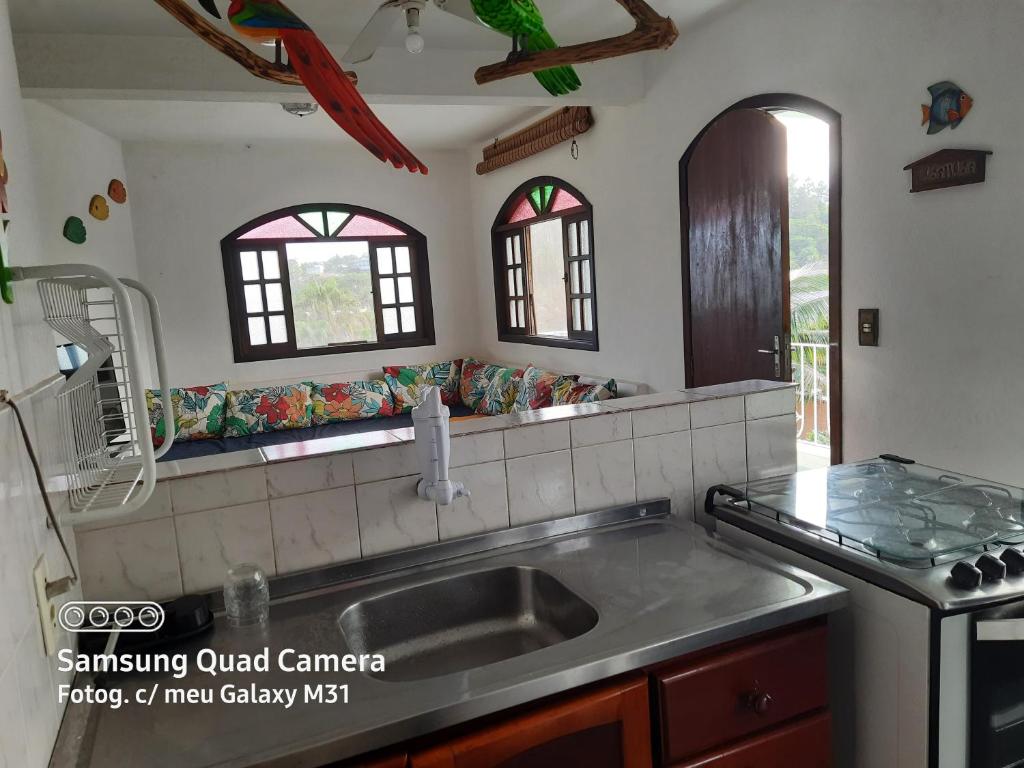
721, 698
804, 744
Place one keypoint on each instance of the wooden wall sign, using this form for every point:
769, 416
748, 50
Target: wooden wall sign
948, 168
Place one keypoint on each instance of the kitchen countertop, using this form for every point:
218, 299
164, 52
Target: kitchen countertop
662, 587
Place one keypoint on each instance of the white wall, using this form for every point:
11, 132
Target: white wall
189, 196
945, 268
29, 713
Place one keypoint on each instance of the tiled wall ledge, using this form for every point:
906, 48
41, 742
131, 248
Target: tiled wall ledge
306, 505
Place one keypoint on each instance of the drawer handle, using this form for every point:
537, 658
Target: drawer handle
758, 702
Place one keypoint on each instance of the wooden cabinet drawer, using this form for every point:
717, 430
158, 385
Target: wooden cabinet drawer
724, 697
804, 744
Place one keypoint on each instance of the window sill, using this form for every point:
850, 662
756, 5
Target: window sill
341, 349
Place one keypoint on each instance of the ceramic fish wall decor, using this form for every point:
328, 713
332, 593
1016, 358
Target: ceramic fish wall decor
74, 230
98, 208
950, 105
117, 192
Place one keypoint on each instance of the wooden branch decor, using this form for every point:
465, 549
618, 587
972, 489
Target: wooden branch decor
255, 64
653, 32
563, 125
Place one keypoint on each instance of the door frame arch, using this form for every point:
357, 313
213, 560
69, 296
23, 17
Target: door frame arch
795, 102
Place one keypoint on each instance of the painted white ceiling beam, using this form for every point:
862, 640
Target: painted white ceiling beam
73, 66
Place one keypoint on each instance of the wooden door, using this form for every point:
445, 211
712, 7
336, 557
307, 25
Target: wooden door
736, 212
605, 728
803, 744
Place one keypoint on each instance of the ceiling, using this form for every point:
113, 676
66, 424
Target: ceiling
421, 127
570, 21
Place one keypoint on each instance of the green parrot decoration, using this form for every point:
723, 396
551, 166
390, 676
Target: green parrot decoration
521, 20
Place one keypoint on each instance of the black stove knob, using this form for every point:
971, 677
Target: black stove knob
1014, 560
991, 567
965, 576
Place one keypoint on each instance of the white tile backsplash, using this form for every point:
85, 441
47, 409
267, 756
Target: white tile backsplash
315, 529
771, 446
476, 449
158, 506
710, 413
719, 456
778, 402
392, 516
13, 744
290, 478
661, 421
214, 540
664, 469
540, 487
386, 463
603, 476
218, 489
137, 561
606, 428
536, 438
485, 510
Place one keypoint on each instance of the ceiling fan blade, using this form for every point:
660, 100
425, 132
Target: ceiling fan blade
461, 8
373, 34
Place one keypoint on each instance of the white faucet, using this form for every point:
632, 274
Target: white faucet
433, 446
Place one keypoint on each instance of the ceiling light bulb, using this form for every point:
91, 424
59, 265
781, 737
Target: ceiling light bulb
414, 42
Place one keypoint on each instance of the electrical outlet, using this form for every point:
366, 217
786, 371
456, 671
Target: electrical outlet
47, 610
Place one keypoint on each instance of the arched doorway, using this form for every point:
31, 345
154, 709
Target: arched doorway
761, 196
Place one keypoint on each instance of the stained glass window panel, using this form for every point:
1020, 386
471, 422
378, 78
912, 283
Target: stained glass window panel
315, 219
335, 221
364, 226
564, 201
287, 228
523, 211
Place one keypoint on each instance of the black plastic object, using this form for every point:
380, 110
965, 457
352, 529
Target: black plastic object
725, 490
1014, 560
965, 576
991, 567
897, 459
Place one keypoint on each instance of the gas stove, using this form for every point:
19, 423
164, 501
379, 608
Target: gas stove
948, 540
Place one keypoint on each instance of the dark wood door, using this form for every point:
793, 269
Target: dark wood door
606, 728
736, 209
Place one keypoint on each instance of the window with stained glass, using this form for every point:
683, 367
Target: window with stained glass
544, 283
324, 279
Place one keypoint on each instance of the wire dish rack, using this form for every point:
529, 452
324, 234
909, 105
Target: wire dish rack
109, 458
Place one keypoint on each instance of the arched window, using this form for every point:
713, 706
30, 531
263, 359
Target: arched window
544, 282
324, 279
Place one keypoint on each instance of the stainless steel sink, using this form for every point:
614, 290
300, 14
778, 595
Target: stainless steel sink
466, 621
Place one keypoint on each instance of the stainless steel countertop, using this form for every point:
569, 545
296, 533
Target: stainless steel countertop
662, 587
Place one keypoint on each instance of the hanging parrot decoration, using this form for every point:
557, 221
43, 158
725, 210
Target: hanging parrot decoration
521, 20
271, 21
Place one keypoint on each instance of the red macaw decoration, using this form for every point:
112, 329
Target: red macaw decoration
271, 20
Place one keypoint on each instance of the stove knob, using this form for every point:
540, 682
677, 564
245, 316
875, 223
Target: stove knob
965, 576
992, 567
1014, 560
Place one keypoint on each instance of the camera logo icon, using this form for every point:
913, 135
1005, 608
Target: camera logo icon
109, 616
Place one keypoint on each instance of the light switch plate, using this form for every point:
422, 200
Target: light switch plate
867, 327
47, 610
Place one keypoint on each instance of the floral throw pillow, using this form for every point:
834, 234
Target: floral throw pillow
538, 389
500, 395
408, 382
251, 411
476, 377
350, 401
198, 413
570, 393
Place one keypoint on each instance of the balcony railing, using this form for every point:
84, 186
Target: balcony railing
811, 373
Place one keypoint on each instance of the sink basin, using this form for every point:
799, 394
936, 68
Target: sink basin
466, 621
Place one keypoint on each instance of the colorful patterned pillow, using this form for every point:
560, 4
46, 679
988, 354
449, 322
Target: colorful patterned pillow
538, 389
408, 382
476, 376
569, 393
500, 395
271, 409
350, 401
198, 413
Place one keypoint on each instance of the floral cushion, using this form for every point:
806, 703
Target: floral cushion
476, 376
408, 382
570, 393
500, 395
271, 409
538, 389
350, 401
198, 413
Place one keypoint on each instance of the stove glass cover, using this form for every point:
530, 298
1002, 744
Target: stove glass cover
908, 513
